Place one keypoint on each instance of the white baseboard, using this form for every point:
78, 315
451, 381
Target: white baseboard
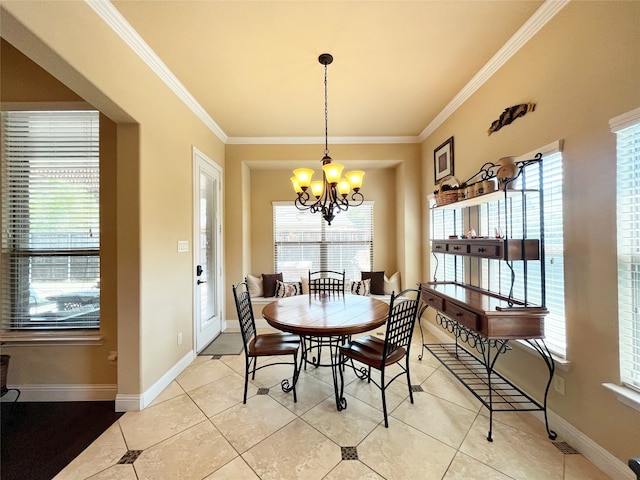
64, 393
597, 455
136, 402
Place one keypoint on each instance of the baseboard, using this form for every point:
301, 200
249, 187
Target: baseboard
597, 455
65, 393
136, 402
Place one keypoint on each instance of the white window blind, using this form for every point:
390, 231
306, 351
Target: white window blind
628, 221
50, 220
304, 241
446, 222
527, 285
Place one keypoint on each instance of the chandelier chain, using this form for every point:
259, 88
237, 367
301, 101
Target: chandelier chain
326, 114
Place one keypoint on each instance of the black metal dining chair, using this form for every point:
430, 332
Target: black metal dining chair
263, 345
327, 282
321, 282
376, 353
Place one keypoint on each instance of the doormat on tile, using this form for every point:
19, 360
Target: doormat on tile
224, 344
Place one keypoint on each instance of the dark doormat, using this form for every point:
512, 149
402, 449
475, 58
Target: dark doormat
228, 343
41, 438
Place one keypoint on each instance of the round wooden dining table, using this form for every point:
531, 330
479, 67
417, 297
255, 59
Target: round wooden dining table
330, 316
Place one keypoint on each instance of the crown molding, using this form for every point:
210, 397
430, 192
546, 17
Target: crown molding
539, 19
115, 20
318, 140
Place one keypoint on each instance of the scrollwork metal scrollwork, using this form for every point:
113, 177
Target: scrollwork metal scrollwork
286, 386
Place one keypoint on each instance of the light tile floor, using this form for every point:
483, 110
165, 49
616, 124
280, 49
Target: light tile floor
198, 428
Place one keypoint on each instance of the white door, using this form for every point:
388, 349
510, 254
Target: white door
207, 250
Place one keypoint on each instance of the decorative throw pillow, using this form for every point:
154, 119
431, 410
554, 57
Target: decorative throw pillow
255, 286
288, 289
377, 282
269, 283
392, 284
361, 288
305, 284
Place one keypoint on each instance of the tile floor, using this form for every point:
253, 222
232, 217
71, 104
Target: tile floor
198, 428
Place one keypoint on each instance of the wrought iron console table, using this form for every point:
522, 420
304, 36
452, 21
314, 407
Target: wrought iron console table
485, 323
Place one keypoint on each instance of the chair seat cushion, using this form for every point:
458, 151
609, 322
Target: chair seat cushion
369, 350
274, 344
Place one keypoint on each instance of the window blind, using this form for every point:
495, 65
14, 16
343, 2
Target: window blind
628, 227
497, 277
304, 241
50, 220
446, 222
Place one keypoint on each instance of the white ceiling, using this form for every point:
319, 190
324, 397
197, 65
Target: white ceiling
398, 65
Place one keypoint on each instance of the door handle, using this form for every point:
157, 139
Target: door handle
201, 281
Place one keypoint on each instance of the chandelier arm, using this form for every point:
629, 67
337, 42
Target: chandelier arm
301, 201
357, 199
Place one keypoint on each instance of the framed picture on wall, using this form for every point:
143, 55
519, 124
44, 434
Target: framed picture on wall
443, 160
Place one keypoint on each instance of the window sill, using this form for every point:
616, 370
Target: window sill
626, 395
33, 339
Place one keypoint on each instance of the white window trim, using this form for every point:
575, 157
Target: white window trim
624, 394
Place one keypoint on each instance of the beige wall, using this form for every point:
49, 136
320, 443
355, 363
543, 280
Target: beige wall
153, 200
581, 70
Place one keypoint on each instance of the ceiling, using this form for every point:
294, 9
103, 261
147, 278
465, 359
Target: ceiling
253, 65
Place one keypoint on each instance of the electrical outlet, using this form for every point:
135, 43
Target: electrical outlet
558, 384
179, 338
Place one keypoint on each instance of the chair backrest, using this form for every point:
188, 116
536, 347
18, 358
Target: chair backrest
245, 312
326, 281
403, 309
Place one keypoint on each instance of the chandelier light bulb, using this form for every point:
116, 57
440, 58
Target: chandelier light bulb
344, 187
332, 172
303, 175
296, 185
355, 179
316, 188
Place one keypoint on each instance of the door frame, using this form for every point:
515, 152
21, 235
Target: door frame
201, 158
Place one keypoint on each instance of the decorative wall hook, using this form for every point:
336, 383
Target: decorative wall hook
510, 114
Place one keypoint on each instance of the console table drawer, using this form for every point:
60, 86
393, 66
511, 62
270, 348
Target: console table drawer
486, 250
432, 300
439, 247
462, 315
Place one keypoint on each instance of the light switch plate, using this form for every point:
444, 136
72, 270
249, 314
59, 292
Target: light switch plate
183, 246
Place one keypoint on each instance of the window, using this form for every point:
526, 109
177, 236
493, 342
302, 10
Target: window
303, 241
50, 221
496, 276
444, 223
627, 129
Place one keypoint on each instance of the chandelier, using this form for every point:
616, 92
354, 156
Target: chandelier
329, 194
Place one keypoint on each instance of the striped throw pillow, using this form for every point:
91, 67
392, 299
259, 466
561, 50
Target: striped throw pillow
361, 288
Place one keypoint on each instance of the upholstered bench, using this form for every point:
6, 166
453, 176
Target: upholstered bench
259, 301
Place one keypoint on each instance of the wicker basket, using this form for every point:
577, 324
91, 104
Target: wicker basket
448, 196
